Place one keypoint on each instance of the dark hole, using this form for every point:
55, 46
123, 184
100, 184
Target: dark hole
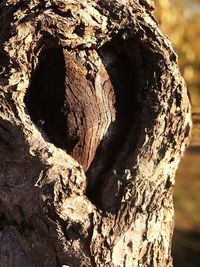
80, 30
3, 221
45, 98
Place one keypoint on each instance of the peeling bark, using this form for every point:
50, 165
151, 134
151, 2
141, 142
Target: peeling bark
94, 118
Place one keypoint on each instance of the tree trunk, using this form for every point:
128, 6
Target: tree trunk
94, 118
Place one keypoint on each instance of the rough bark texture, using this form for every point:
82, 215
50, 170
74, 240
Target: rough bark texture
93, 120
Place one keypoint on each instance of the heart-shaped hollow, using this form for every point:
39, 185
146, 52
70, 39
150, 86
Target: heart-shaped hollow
86, 103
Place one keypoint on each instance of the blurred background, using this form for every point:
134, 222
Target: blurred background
180, 20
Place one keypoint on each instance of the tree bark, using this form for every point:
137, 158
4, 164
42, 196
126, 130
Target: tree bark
94, 118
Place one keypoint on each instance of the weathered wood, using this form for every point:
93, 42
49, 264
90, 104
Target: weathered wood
94, 118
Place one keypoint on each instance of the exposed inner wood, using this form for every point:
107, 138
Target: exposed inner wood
90, 99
